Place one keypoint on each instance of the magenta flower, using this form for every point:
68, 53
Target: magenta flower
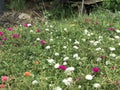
4, 38
96, 23
25, 25
42, 42
1, 33
111, 29
2, 86
95, 69
38, 30
62, 67
4, 78
10, 29
15, 35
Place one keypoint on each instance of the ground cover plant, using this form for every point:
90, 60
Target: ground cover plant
68, 54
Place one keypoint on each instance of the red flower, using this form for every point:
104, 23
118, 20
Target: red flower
1, 33
38, 30
95, 69
42, 42
112, 67
62, 67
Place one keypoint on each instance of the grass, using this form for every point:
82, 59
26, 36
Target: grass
82, 43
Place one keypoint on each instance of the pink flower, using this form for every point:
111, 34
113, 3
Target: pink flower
2, 86
4, 38
4, 78
111, 29
0, 43
10, 29
62, 67
1, 33
95, 69
42, 42
38, 30
15, 35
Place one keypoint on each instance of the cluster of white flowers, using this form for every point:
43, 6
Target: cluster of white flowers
112, 55
67, 81
69, 70
56, 54
51, 61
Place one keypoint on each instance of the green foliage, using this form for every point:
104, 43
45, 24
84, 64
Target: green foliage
112, 5
17, 5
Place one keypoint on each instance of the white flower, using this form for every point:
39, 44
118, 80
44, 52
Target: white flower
99, 59
100, 37
51, 39
65, 29
92, 41
96, 85
111, 39
58, 88
51, 26
76, 42
65, 58
96, 42
67, 81
89, 77
75, 47
118, 31
108, 62
31, 31
111, 48
34, 82
119, 44
112, 55
64, 63
64, 47
70, 40
75, 55
29, 25
51, 61
69, 70
47, 29
83, 40
47, 47
98, 49
38, 39
86, 31
56, 65
117, 37
79, 86
56, 54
